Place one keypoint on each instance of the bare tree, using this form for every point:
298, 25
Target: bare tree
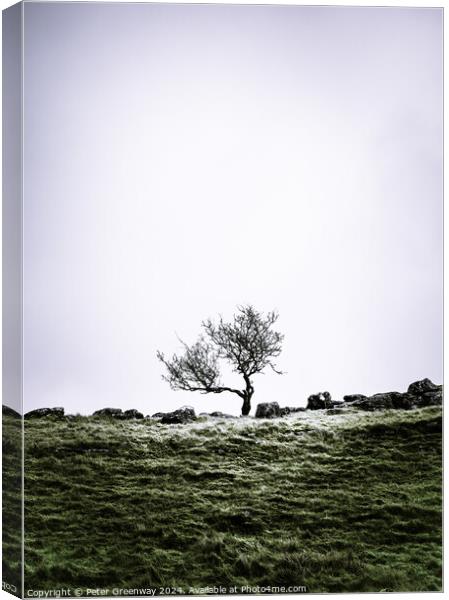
248, 343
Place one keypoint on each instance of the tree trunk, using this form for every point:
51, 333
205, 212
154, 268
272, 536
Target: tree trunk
246, 406
247, 395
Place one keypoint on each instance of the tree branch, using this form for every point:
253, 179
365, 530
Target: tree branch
248, 343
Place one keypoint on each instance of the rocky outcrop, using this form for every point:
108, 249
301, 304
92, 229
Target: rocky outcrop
117, 413
268, 410
419, 394
354, 397
426, 393
185, 414
113, 413
423, 386
217, 415
132, 413
372, 403
430, 399
221, 415
319, 401
40, 413
288, 410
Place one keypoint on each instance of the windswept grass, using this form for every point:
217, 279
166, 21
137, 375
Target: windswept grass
334, 503
12, 503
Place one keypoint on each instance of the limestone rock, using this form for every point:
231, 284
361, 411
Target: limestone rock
132, 413
113, 413
354, 397
319, 401
434, 398
185, 414
417, 388
268, 410
39, 413
217, 414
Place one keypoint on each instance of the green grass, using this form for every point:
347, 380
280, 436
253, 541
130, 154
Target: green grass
344, 503
12, 503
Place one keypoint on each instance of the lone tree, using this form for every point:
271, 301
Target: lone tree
248, 343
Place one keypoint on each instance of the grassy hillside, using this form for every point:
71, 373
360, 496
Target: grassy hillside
332, 502
12, 501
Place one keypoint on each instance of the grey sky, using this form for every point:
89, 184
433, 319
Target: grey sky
180, 160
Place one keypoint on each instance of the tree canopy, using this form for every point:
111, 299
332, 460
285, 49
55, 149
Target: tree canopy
248, 343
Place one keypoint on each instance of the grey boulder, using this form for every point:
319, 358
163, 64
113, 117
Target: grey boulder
289, 410
219, 415
132, 413
319, 401
113, 413
185, 414
419, 394
389, 400
373, 403
426, 393
39, 413
354, 397
417, 388
268, 410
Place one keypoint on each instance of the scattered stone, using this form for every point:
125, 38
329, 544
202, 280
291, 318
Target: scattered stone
354, 397
419, 394
39, 413
217, 415
185, 414
221, 415
268, 410
373, 403
337, 403
369, 404
426, 393
430, 399
288, 410
418, 388
158, 415
319, 401
113, 413
132, 413
402, 401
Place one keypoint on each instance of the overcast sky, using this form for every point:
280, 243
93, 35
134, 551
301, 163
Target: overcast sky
181, 160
